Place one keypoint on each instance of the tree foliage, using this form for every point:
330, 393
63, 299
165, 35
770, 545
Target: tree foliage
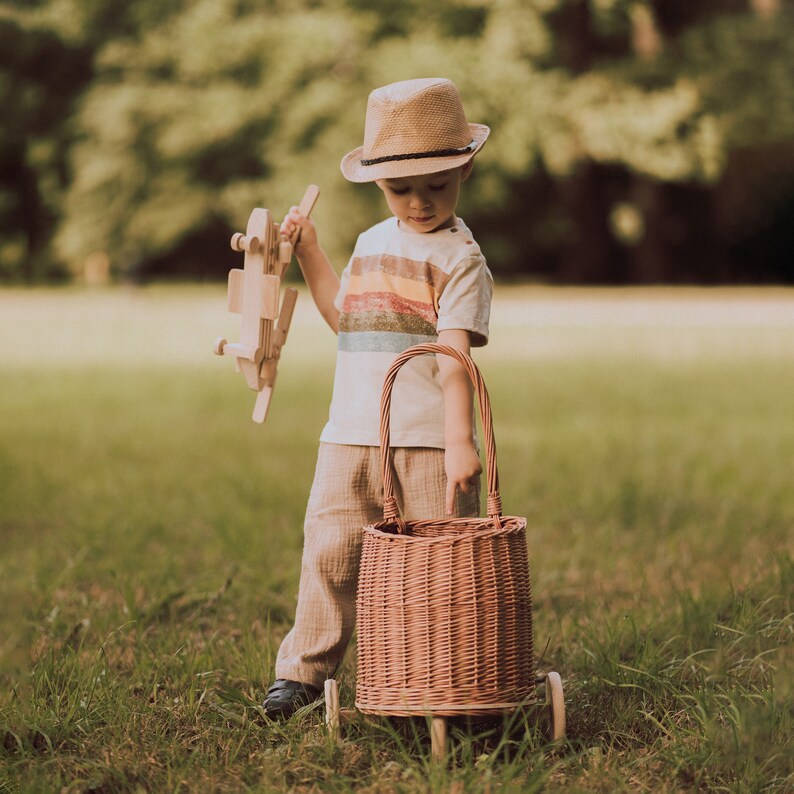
34, 142
172, 120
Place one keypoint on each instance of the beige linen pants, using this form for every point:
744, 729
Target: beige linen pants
347, 494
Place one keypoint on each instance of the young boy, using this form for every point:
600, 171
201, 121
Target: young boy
418, 276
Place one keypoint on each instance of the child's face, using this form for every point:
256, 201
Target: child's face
426, 203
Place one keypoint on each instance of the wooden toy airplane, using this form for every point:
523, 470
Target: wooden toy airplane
254, 293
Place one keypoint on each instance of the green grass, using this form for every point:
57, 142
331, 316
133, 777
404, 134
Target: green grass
151, 538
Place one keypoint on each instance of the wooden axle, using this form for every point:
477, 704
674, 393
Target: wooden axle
550, 710
254, 354
241, 243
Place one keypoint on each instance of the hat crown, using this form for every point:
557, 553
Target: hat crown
415, 116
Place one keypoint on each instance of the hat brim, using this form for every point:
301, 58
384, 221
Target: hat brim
354, 171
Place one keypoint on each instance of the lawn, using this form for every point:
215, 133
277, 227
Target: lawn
151, 538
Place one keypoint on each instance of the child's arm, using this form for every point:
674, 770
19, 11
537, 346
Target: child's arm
461, 462
321, 278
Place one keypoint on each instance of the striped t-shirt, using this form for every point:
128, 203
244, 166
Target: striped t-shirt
399, 289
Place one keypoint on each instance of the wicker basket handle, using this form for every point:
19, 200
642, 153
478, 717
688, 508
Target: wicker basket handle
494, 501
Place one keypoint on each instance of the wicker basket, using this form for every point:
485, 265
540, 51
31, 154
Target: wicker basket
444, 606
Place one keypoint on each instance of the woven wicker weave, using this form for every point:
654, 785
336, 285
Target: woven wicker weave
444, 606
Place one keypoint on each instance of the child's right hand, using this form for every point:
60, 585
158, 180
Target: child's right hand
295, 222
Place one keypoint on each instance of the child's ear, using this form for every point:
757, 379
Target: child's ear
466, 170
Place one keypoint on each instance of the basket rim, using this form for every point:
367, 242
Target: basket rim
512, 525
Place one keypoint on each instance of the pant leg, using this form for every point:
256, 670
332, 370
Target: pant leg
346, 495
421, 486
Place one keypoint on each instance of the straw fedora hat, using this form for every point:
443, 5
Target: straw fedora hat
413, 127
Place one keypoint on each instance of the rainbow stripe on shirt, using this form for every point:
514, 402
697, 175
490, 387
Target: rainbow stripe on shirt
391, 303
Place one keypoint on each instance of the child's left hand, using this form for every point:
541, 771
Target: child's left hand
463, 468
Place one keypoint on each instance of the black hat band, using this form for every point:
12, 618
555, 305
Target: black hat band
421, 155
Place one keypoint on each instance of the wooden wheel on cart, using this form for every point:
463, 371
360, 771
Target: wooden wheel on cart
556, 706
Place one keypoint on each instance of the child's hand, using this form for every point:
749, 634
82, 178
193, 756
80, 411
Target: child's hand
463, 468
294, 222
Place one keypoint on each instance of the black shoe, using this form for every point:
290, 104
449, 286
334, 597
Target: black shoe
285, 697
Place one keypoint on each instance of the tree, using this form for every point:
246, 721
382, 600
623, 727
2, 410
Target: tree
47, 50
608, 117
34, 143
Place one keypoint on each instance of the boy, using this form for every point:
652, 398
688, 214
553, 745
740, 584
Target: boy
418, 276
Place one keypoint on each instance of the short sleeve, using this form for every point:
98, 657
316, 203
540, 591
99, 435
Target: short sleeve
465, 301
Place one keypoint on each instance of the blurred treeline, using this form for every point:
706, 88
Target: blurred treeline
633, 140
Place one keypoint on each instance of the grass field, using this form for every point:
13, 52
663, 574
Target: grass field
151, 539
